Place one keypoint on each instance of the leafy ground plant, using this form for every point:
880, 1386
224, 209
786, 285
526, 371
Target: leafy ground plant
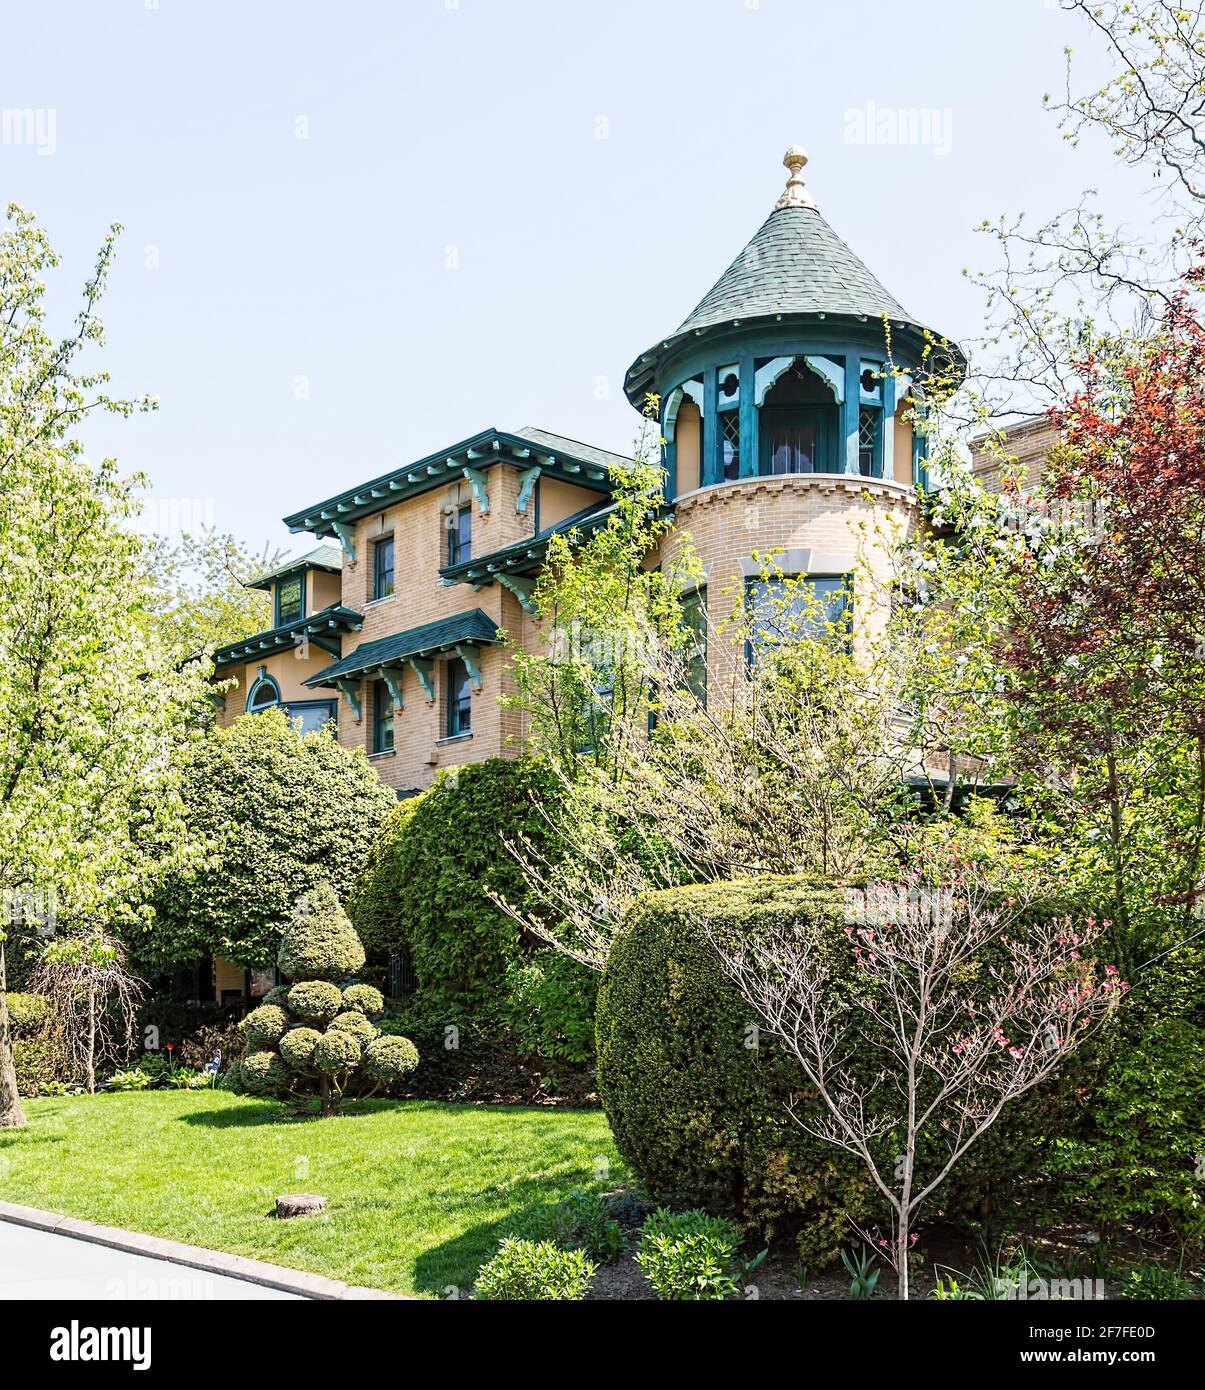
526, 1270
689, 1255
582, 1222
863, 1276
1152, 1281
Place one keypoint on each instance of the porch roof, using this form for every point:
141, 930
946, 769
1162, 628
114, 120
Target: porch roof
471, 628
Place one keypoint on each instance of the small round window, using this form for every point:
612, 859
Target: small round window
730, 385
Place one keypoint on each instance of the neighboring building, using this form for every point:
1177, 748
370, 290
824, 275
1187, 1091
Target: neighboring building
781, 431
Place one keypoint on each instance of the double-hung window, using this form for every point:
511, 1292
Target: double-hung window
807, 608
382, 718
459, 699
290, 599
382, 568
460, 536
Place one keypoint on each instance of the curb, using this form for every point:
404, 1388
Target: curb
312, 1286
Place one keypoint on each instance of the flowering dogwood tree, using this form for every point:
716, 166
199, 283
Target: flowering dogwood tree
964, 1005
92, 707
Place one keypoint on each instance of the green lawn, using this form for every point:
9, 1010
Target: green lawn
419, 1192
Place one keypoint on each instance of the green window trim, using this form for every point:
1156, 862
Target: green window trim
382, 718
870, 441
382, 568
308, 715
264, 685
826, 587
694, 617
292, 610
459, 699
460, 536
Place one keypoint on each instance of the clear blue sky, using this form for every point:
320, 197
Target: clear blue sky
498, 205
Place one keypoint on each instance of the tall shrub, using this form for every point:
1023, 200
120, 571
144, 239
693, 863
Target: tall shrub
278, 813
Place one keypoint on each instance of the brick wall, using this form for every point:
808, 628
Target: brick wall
1029, 442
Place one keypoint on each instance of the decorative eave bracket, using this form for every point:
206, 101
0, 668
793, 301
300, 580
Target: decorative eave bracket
476, 480
347, 539
470, 654
522, 589
424, 669
350, 690
392, 676
527, 483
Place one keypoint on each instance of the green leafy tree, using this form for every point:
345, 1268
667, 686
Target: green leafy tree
315, 1038
275, 812
203, 601
93, 713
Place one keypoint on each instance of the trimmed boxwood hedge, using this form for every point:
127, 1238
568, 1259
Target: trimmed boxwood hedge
698, 1112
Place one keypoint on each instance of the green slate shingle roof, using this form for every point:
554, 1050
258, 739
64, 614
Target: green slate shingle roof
322, 557
326, 624
796, 264
471, 626
528, 555
795, 267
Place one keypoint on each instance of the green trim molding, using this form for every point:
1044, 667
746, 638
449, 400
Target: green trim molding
557, 457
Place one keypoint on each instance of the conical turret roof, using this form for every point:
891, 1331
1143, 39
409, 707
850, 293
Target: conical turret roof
795, 266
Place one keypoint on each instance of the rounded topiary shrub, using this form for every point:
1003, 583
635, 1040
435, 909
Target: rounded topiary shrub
337, 1051
320, 942
286, 1055
355, 1023
263, 1073
390, 1059
696, 1097
317, 1001
367, 998
264, 1027
297, 1046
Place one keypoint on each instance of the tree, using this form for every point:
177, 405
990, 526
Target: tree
92, 999
1074, 275
203, 601
92, 712
966, 1007
315, 1037
275, 812
771, 729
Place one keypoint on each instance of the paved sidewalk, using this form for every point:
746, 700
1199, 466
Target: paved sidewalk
38, 1264
44, 1254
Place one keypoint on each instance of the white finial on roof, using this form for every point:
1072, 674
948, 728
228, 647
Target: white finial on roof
795, 195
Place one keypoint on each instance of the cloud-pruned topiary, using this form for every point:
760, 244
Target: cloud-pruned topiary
290, 1053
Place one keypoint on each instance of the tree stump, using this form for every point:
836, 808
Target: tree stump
298, 1204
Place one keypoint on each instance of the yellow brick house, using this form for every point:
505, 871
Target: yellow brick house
782, 428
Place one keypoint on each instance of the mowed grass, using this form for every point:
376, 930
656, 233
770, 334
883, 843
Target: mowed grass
419, 1192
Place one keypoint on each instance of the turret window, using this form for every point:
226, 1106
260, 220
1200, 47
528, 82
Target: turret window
869, 445
800, 423
809, 607
730, 444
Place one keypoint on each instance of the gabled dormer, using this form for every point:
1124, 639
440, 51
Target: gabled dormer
303, 585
